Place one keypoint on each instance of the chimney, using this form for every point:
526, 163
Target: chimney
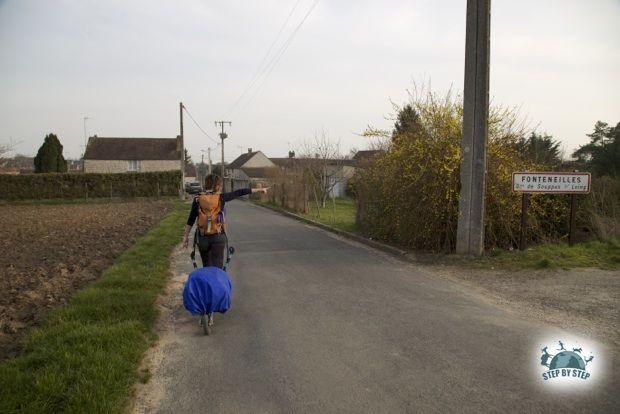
249, 150
291, 154
179, 144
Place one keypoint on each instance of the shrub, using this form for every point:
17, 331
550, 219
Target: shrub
78, 185
600, 211
409, 195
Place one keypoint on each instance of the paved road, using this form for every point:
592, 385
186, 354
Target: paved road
324, 325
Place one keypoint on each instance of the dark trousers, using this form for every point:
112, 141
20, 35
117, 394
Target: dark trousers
212, 249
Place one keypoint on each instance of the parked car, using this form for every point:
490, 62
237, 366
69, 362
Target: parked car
193, 188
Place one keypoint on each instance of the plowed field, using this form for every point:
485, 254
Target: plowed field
49, 251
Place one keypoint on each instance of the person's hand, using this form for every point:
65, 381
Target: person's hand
185, 242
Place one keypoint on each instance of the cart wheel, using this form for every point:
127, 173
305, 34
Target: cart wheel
205, 324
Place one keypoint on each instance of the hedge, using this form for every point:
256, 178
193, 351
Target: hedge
87, 185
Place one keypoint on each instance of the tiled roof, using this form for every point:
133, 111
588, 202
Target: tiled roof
241, 159
366, 154
104, 148
289, 162
282, 162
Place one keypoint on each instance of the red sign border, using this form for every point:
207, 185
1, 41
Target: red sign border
589, 175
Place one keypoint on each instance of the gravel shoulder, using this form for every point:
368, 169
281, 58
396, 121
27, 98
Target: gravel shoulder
584, 301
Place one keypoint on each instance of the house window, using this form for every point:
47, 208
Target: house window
133, 165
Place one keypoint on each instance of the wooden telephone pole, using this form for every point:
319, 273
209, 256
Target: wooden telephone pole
182, 149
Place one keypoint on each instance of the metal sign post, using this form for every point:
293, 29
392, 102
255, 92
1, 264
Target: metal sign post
573, 217
525, 202
572, 183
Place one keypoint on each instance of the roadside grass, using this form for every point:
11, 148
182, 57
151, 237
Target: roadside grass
85, 356
604, 254
340, 216
597, 253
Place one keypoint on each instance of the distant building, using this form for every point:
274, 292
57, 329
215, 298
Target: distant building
19, 164
337, 171
250, 169
254, 168
285, 162
118, 155
190, 174
75, 166
251, 159
366, 156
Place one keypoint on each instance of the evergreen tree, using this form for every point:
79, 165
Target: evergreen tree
49, 157
188, 159
541, 149
602, 153
407, 120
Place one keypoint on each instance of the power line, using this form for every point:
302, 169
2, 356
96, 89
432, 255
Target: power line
260, 67
274, 61
199, 127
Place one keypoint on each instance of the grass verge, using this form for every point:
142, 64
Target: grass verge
596, 253
85, 356
340, 214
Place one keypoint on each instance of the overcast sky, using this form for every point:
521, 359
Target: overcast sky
127, 64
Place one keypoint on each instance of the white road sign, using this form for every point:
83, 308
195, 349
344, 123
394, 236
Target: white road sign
551, 182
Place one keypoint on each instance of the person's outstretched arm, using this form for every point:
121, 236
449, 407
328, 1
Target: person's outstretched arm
241, 192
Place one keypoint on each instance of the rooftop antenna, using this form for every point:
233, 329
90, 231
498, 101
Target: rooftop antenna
85, 135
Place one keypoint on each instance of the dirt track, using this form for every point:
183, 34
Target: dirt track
49, 251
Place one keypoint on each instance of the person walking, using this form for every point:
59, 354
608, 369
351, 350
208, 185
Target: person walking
208, 210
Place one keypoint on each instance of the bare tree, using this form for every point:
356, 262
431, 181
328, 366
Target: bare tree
324, 164
4, 150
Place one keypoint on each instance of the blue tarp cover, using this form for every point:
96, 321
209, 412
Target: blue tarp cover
207, 289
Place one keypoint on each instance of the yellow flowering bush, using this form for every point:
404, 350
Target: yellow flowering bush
409, 194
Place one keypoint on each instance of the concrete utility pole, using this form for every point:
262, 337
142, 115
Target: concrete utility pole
85, 135
182, 189
223, 136
470, 231
85, 142
208, 151
210, 167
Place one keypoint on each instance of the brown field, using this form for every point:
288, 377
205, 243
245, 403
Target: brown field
49, 251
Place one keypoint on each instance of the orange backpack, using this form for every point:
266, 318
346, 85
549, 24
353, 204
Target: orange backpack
209, 209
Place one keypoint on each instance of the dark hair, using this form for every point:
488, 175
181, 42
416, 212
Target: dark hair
213, 182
